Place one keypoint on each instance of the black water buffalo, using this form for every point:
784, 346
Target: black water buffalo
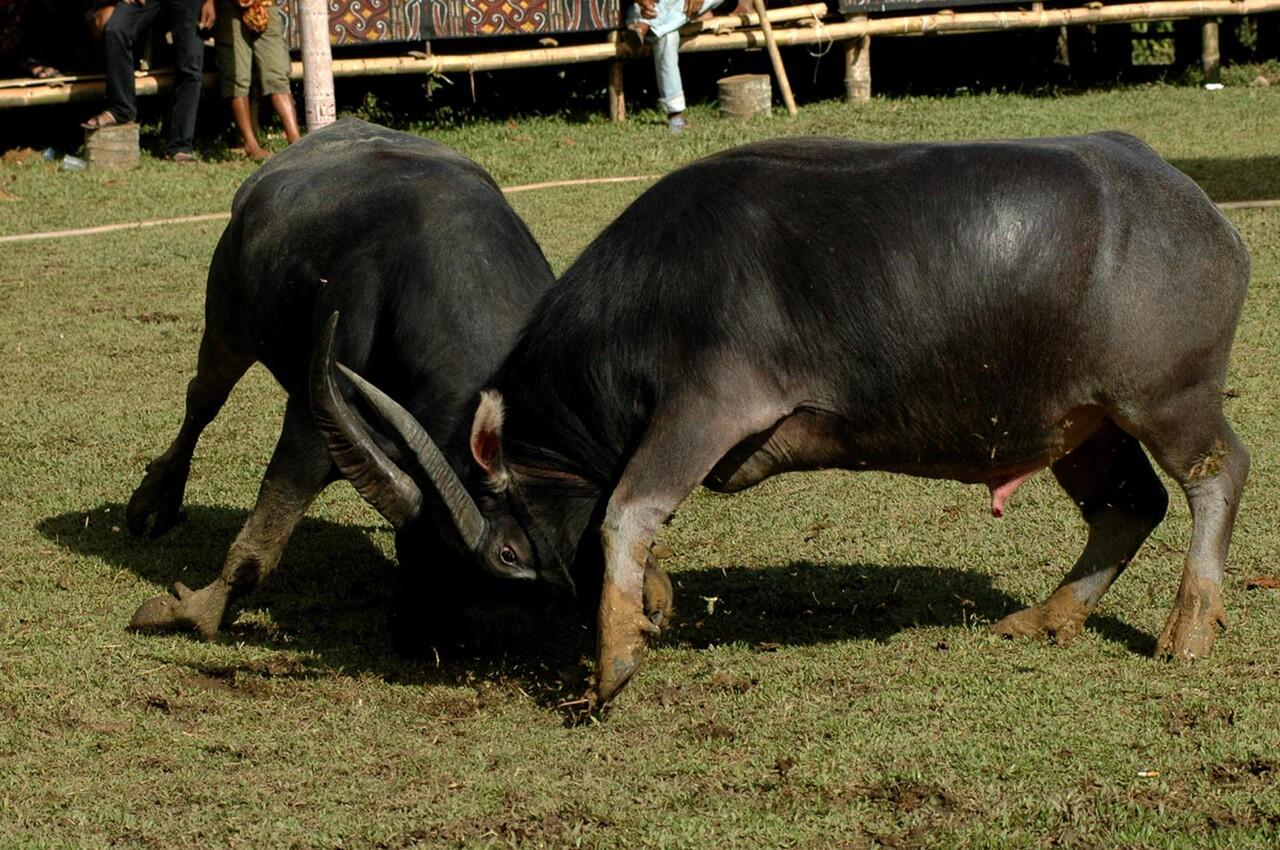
975, 311
434, 275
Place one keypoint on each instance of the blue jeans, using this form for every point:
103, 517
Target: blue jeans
664, 36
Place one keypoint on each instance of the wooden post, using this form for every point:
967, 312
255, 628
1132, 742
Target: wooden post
1210, 58
784, 85
857, 65
617, 95
317, 64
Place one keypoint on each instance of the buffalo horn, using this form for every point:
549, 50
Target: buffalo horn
466, 516
375, 476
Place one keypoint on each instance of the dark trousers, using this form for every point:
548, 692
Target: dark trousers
121, 39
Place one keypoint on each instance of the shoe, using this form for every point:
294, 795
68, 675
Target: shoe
677, 123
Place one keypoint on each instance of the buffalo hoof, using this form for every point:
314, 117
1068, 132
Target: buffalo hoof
1197, 615
1060, 618
659, 597
157, 501
184, 610
624, 630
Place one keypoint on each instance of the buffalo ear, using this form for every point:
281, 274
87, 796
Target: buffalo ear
486, 438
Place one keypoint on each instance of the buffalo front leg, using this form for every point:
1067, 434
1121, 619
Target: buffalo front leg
1122, 501
299, 469
158, 499
682, 445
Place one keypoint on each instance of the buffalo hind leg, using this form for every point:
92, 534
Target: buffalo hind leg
1193, 443
299, 469
1122, 500
158, 499
680, 448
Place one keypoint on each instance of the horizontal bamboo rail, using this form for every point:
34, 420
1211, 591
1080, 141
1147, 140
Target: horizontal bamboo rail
86, 88
954, 22
811, 12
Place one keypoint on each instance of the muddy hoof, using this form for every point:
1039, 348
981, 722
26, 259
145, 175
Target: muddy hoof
183, 610
659, 597
1060, 619
157, 502
1193, 625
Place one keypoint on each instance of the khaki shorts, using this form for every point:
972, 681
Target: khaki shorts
239, 49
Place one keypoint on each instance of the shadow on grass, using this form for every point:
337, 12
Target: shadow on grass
808, 603
1240, 179
335, 596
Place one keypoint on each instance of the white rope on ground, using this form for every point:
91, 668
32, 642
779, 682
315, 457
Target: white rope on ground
1271, 203
193, 219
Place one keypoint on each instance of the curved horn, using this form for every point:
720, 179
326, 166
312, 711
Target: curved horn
466, 516
376, 478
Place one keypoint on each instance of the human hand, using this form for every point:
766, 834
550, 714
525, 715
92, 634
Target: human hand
208, 14
648, 8
134, 2
691, 8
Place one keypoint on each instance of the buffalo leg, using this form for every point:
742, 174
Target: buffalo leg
159, 497
1122, 500
298, 471
678, 451
1207, 459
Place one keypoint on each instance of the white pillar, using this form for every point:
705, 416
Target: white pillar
317, 64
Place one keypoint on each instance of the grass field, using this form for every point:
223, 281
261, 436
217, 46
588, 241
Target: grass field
829, 682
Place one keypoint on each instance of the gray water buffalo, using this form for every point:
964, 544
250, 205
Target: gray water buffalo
434, 275
970, 311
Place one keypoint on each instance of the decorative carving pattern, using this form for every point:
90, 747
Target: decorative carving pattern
363, 21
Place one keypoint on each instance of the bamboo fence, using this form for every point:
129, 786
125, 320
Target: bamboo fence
730, 35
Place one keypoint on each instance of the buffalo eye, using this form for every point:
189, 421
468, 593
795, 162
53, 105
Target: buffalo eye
508, 556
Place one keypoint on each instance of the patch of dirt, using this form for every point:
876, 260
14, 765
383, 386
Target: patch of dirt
713, 730
6, 195
1232, 772
905, 795
450, 707
1178, 716
564, 827
222, 680
155, 317
1262, 583
21, 156
722, 681
1249, 817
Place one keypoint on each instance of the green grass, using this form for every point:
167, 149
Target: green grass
829, 681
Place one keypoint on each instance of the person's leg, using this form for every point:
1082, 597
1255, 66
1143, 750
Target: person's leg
272, 57
120, 36
235, 73
666, 65
188, 56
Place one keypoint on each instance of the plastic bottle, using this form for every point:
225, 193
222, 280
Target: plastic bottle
73, 163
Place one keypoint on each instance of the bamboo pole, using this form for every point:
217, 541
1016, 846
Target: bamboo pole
317, 63
1210, 57
813, 11
819, 32
857, 66
775, 58
617, 89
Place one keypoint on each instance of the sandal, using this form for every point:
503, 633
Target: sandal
102, 119
183, 157
43, 72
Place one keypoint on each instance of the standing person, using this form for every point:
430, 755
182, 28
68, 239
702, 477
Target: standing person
251, 35
131, 18
659, 22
